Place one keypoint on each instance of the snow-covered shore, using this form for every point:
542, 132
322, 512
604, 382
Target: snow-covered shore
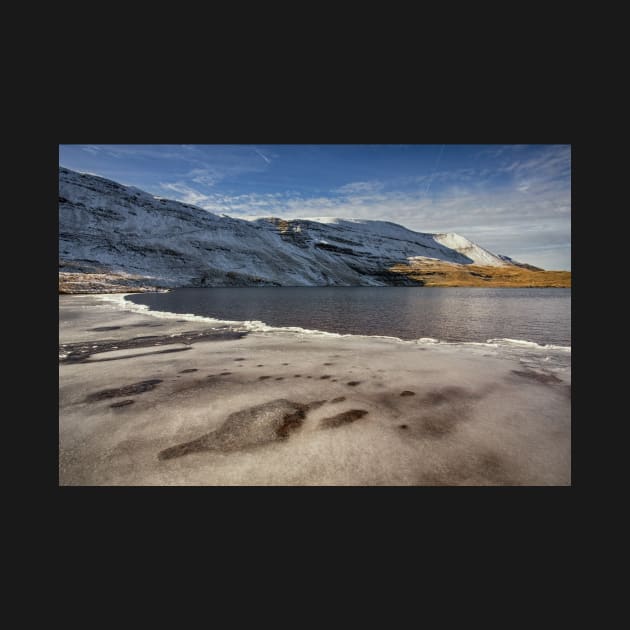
291, 407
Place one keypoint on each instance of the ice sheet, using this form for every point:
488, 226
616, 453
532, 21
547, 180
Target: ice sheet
435, 414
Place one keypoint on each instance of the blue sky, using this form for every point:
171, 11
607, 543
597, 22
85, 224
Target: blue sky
511, 199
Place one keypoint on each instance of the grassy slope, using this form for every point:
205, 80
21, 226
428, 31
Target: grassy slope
441, 274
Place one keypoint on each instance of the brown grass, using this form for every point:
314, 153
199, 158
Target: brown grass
431, 273
442, 274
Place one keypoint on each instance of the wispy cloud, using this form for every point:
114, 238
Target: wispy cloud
186, 194
264, 157
357, 188
501, 150
553, 162
205, 176
426, 192
205, 165
451, 175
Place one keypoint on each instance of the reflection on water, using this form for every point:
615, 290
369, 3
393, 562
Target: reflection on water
449, 314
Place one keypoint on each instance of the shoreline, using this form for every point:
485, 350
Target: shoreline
119, 301
361, 410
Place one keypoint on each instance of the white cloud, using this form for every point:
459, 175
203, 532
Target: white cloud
205, 176
264, 157
501, 150
206, 165
186, 194
360, 187
93, 150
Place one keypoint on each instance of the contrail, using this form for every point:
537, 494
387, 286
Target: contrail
264, 157
426, 192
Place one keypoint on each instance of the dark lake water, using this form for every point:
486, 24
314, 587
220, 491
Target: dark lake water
448, 314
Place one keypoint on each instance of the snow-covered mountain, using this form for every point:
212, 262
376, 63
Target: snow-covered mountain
104, 225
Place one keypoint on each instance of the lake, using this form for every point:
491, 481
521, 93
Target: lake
462, 314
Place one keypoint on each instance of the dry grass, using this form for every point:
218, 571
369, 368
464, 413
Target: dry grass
441, 274
431, 273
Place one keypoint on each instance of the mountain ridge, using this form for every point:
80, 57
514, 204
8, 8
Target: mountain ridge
134, 240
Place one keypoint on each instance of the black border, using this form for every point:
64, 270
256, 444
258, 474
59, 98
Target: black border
346, 514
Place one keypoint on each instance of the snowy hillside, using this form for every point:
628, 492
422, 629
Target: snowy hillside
106, 226
478, 255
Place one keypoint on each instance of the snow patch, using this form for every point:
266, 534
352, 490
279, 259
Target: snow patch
477, 255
